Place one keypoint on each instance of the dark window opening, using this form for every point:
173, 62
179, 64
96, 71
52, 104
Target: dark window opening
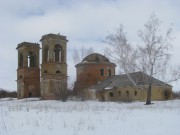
21, 60
30, 94
135, 93
102, 72
20, 76
109, 72
119, 93
31, 60
46, 54
127, 92
111, 94
45, 71
58, 53
167, 94
58, 71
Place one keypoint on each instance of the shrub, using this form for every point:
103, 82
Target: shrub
176, 95
6, 93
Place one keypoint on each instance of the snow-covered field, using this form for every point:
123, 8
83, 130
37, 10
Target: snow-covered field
33, 117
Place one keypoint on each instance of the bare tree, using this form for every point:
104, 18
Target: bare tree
82, 52
75, 56
78, 56
151, 56
121, 52
89, 51
154, 55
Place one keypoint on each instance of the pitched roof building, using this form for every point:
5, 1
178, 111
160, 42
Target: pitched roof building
124, 88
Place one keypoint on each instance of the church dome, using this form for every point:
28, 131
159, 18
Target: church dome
95, 58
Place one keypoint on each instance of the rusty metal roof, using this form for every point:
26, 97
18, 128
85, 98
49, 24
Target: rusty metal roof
95, 57
123, 80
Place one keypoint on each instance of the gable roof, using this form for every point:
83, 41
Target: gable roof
139, 78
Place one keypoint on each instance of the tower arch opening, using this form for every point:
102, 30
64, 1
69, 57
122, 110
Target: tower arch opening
46, 54
31, 60
20, 60
58, 53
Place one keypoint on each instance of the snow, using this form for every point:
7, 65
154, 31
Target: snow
37, 117
99, 82
84, 62
108, 88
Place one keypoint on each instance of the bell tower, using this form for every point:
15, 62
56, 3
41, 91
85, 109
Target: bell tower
54, 66
28, 72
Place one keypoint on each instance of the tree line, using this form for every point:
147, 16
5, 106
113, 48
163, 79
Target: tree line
5, 93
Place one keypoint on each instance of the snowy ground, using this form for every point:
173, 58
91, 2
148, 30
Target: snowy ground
33, 117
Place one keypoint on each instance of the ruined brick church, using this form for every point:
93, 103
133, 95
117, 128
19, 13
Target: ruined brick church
96, 79
53, 80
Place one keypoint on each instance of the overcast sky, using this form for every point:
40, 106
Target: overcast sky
84, 22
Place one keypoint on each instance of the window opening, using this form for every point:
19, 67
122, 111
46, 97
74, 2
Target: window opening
135, 93
109, 71
127, 92
166, 94
102, 72
21, 60
30, 94
45, 71
119, 93
31, 60
111, 94
20, 76
46, 54
58, 71
58, 53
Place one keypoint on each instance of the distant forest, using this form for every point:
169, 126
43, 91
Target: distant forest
6, 93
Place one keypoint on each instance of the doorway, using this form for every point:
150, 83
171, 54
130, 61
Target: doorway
102, 97
30, 94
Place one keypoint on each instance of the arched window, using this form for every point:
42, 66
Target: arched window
46, 54
31, 60
20, 60
58, 53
